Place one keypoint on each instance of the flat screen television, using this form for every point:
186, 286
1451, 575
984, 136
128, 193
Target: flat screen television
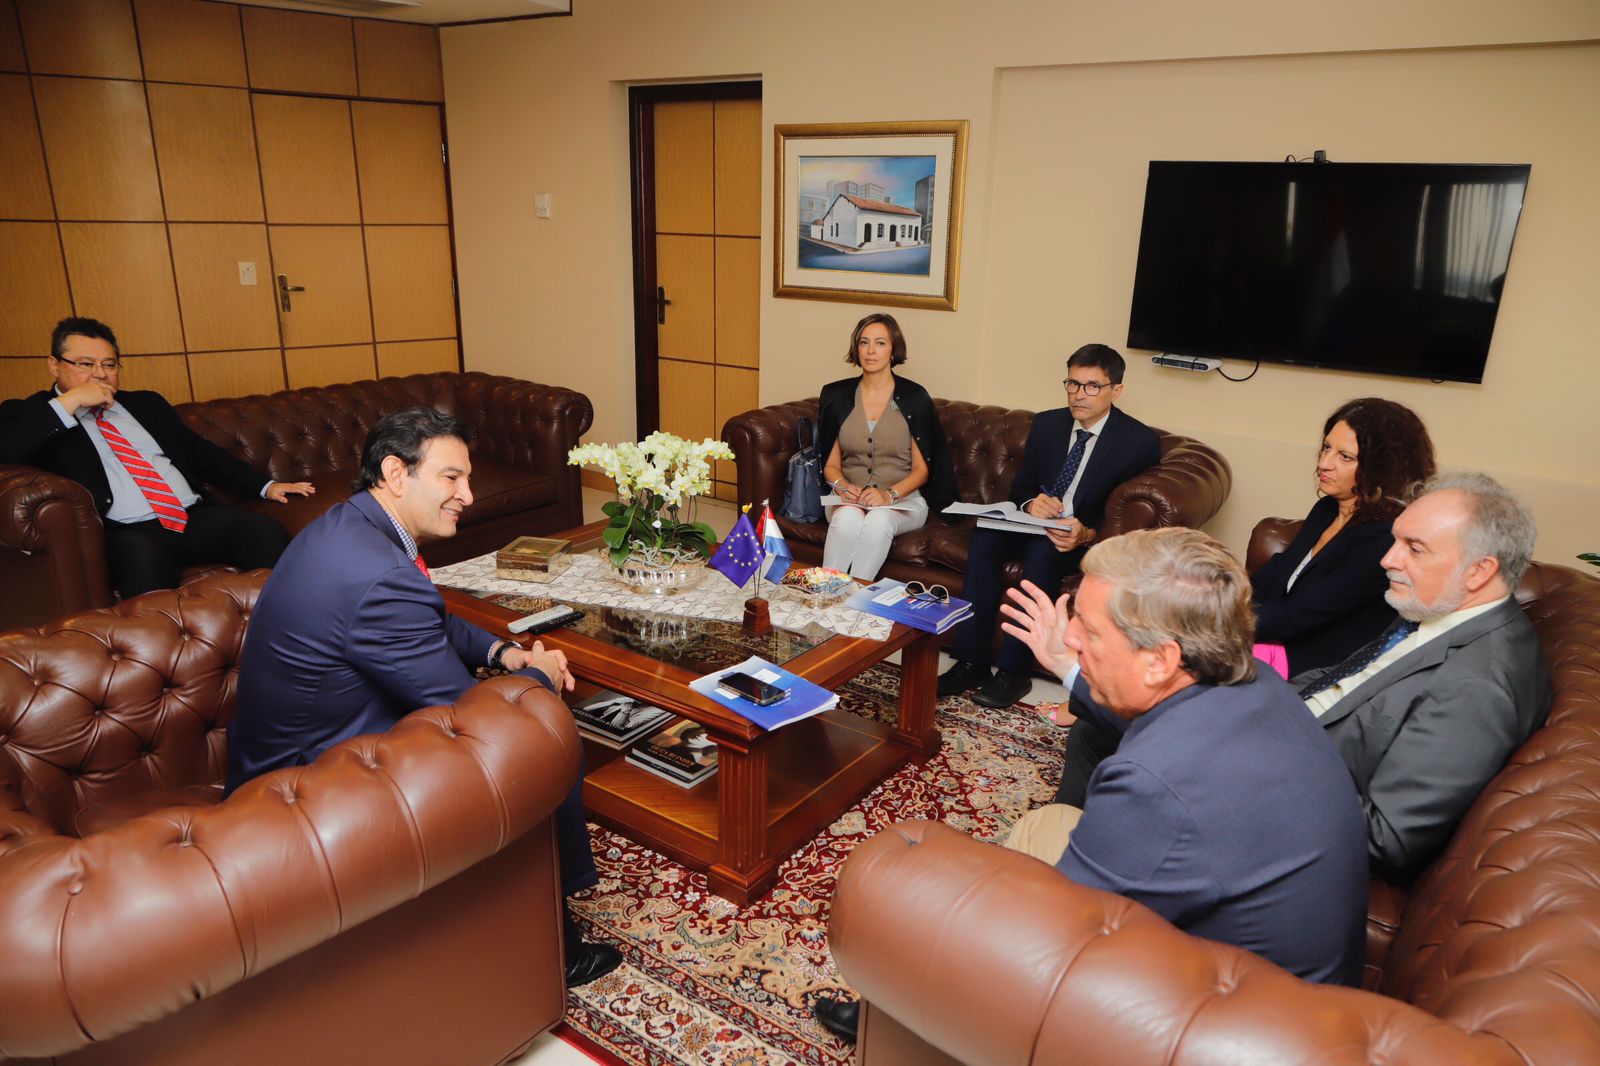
1393, 268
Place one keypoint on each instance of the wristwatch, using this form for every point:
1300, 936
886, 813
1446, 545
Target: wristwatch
894, 494
497, 654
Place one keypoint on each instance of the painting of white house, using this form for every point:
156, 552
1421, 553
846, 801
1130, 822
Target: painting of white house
868, 213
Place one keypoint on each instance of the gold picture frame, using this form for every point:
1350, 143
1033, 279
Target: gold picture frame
869, 212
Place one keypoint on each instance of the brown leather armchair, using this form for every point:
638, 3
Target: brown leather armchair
966, 952
1186, 488
52, 545
397, 901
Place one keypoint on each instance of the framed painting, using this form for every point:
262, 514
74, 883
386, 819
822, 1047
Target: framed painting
870, 212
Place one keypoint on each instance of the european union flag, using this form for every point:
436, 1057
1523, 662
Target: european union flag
740, 553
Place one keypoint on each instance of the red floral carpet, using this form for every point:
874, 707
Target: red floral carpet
708, 982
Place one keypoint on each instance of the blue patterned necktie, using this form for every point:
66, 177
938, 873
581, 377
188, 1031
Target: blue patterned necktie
1080, 444
1362, 659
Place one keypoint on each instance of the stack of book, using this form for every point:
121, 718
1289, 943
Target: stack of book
540, 559
682, 754
615, 720
1008, 516
889, 599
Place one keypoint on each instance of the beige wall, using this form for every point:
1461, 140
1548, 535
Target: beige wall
1068, 101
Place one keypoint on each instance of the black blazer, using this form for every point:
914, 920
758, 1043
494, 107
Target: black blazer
1126, 448
1337, 604
839, 399
31, 433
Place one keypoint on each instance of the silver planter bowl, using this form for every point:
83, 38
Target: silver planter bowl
659, 574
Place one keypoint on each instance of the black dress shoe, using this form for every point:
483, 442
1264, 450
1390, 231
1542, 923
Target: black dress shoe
591, 962
1003, 689
840, 1017
960, 677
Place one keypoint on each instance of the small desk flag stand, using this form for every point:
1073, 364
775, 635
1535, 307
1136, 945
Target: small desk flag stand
757, 611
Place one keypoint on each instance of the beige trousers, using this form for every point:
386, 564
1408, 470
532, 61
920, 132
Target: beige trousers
1044, 831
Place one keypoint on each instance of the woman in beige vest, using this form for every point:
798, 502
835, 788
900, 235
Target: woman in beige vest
887, 459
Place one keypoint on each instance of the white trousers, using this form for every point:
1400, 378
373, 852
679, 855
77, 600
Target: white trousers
859, 539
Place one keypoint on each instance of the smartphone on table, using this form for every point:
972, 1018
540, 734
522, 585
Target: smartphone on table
752, 688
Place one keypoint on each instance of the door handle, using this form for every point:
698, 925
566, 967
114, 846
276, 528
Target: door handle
284, 289
661, 305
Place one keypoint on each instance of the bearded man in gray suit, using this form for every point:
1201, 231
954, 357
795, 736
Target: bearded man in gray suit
1431, 710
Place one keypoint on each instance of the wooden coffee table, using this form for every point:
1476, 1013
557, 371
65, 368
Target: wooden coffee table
773, 791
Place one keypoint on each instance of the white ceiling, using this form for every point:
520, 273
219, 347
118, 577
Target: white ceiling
433, 11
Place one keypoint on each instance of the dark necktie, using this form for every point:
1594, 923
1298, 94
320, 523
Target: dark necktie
1069, 469
163, 501
1363, 658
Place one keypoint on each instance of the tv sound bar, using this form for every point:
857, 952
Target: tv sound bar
1186, 362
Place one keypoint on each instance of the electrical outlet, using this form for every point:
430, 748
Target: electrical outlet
247, 273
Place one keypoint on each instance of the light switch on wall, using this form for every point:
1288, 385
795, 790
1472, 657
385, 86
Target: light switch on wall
247, 273
541, 204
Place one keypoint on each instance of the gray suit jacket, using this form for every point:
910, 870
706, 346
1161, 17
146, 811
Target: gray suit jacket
1422, 737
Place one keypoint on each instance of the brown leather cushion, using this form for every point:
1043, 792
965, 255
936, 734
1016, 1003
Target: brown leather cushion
98, 817
501, 489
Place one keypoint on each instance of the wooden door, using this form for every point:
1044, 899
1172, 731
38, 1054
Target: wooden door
699, 242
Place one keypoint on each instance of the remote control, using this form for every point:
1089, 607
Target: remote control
544, 621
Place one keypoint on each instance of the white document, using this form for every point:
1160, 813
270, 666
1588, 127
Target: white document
1007, 515
834, 500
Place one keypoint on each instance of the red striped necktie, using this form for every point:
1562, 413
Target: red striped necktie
423, 567
169, 512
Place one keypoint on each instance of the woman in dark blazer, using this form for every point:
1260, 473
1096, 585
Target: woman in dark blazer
884, 452
1322, 596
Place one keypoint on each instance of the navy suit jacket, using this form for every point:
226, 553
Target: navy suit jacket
1337, 604
1126, 448
1227, 812
347, 638
31, 433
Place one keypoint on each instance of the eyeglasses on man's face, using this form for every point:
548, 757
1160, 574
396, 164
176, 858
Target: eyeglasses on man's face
89, 366
1091, 388
936, 593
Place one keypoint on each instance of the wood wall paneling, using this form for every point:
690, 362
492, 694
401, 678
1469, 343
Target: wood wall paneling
738, 390
684, 270
93, 37
329, 262
217, 374
411, 277
166, 374
22, 377
33, 280
738, 166
687, 399
329, 366
122, 274
299, 52
398, 60
417, 357
24, 186
738, 301
308, 160
97, 143
399, 162
218, 312
206, 152
191, 41
11, 54
683, 158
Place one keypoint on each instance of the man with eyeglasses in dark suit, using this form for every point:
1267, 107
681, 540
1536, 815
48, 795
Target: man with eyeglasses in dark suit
142, 466
1075, 457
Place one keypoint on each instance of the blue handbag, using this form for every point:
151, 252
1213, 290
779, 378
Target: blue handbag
802, 501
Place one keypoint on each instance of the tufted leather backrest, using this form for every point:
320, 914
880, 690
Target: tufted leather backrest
304, 433
108, 704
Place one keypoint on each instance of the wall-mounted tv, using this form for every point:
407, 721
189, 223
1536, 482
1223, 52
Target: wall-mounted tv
1393, 268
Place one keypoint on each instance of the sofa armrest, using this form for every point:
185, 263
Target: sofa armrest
762, 441
992, 956
1185, 488
113, 931
52, 547
1269, 537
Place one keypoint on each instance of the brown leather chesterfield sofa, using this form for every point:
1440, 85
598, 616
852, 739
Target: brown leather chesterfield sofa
395, 902
1186, 488
52, 545
966, 952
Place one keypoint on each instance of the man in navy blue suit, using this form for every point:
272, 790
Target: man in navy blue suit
350, 635
1075, 457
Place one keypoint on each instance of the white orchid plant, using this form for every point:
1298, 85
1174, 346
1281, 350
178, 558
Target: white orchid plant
657, 480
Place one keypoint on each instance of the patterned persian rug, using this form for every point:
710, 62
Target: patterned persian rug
708, 982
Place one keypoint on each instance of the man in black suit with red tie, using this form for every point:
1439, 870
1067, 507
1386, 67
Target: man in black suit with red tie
143, 467
1075, 457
